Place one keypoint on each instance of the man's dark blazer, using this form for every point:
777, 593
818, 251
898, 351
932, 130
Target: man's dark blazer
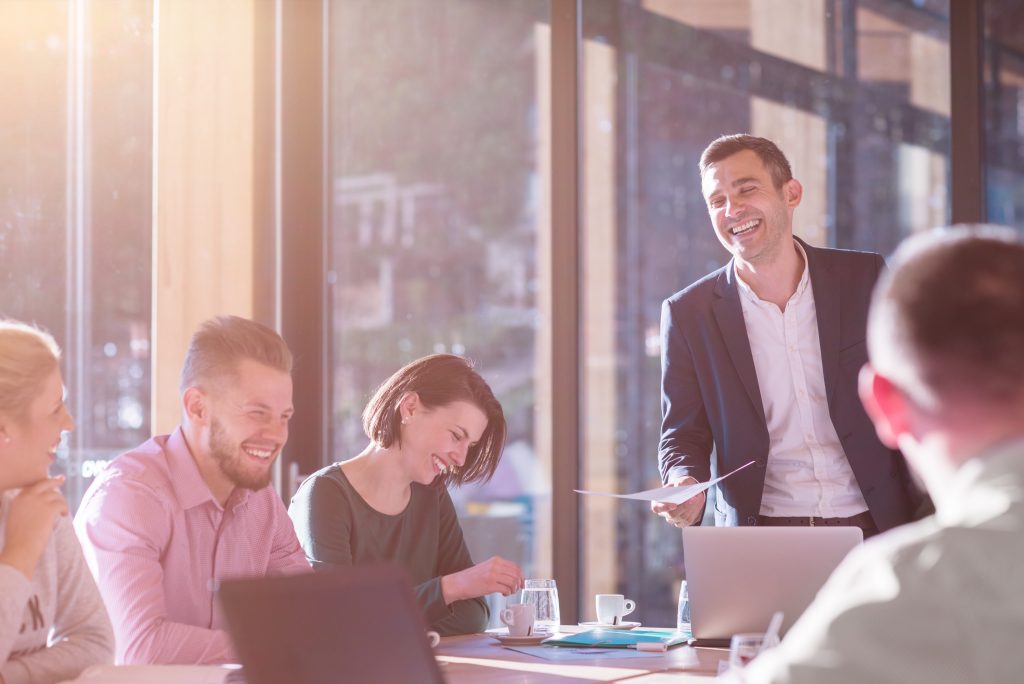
710, 396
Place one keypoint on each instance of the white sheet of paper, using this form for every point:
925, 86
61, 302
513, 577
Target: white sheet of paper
676, 495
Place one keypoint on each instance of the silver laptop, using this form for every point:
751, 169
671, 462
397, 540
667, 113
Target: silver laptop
738, 576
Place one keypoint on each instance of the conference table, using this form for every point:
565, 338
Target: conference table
477, 658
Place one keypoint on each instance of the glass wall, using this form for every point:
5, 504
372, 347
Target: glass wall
1004, 112
75, 247
856, 94
435, 222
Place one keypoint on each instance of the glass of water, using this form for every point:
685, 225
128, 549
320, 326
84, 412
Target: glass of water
683, 614
543, 594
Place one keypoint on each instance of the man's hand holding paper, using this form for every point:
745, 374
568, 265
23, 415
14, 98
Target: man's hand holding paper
680, 502
683, 514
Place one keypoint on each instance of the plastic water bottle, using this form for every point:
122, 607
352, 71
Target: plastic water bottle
683, 615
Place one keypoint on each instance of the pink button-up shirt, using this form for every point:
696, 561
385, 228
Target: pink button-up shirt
156, 539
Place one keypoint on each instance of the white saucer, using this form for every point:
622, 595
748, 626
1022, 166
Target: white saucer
625, 624
509, 640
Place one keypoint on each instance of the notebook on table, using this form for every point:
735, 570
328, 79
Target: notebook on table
618, 638
737, 577
353, 625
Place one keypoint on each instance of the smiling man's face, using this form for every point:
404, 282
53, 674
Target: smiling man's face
249, 423
752, 217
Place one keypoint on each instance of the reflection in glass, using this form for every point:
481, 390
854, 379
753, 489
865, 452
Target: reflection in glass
434, 225
1004, 111
75, 247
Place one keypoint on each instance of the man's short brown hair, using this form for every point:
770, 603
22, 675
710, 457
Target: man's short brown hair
438, 380
947, 321
220, 343
769, 153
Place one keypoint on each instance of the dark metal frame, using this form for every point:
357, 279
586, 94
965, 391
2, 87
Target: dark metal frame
303, 215
565, 300
967, 154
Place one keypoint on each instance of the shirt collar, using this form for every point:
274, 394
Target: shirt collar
190, 489
801, 287
985, 486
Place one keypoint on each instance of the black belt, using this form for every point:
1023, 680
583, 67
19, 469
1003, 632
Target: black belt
861, 520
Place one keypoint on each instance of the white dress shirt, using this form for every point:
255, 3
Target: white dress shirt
807, 472
937, 601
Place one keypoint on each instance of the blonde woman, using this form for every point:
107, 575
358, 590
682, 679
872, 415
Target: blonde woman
52, 620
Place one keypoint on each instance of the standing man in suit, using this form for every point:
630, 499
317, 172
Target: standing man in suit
760, 361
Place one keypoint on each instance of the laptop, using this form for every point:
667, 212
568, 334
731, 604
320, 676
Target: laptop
354, 625
737, 577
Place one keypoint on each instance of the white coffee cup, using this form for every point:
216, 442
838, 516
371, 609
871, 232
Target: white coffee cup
611, 608
433, 637
519, 617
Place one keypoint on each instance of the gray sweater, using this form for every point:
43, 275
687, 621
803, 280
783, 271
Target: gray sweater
53, 626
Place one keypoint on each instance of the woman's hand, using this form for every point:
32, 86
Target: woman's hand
493, 575
30, 523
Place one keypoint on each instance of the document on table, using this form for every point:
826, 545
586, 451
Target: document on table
676, 495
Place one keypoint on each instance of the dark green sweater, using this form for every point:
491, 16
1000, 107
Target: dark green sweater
337, 528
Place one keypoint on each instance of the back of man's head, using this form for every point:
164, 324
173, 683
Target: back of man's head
947, 320
220, 343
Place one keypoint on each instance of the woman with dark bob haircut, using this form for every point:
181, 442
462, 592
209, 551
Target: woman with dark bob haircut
433, 424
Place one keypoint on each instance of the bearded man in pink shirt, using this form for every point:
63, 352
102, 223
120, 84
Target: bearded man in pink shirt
168, 519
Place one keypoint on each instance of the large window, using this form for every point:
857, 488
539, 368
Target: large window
433, 230
438, 150
1004, 111
75, 157
858, 100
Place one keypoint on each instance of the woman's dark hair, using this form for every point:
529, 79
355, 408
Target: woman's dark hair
438, 380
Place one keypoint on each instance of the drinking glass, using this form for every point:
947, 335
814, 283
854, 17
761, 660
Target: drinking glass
683, 615
743, 648
543, 594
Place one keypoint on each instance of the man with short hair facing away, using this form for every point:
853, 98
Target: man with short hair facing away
760, 361
939, 600
166, 520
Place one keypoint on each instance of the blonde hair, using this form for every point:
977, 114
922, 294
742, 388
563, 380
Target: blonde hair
27, 356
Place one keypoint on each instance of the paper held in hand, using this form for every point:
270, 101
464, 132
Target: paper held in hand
676, 495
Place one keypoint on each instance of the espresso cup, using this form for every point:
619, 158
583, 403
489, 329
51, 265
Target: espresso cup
611, 608
519, 617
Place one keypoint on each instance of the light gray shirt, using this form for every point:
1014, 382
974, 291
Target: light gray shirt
935, 601
53, 626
